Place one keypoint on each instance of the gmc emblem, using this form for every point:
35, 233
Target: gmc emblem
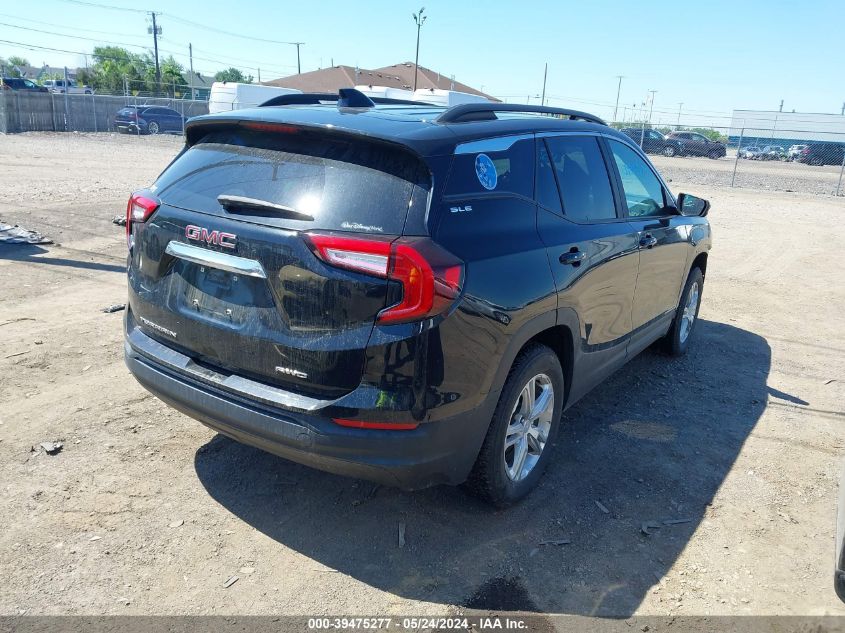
215, 238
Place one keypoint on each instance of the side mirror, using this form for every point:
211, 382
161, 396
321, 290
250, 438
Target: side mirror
691, 205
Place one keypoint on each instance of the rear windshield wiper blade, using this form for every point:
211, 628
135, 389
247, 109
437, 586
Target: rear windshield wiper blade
233, 203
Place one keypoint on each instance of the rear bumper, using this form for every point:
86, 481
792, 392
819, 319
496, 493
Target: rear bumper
441, 452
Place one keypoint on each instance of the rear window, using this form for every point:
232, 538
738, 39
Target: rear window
345, 185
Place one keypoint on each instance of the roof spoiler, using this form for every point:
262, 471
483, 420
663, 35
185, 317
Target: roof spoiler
346, 98
466, 112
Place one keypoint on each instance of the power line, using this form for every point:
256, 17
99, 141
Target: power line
75, 28
138, 46
104, 6
222, 32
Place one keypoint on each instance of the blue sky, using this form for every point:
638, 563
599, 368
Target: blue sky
712, 56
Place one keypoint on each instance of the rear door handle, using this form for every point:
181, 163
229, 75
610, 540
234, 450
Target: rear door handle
572, 258
647, 241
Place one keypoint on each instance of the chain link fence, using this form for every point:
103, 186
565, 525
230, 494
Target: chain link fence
767, 158
756, 157
56, 112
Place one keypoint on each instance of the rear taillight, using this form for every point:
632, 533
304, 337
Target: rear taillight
805, 151
139, 208
431, 277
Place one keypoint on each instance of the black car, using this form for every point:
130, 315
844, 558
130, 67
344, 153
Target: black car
20, 84
695, 144
408, 294
822, 154
147, 119
653, 142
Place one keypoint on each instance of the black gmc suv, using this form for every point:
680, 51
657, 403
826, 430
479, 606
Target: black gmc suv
404, 293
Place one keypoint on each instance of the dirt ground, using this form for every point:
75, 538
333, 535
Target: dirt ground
146, 511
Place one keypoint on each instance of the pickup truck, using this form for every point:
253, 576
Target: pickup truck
58, 86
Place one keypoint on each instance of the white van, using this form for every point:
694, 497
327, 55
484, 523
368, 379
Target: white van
446, 98
226, 95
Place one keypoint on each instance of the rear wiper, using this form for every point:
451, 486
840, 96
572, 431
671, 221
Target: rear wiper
233, 203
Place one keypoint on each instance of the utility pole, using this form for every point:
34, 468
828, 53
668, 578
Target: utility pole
545, 73
781, 106
156, 31
298, 65
843, 109
67, 110
680, 105
651, 107
259, 75
419, 19
191, 57
618, 90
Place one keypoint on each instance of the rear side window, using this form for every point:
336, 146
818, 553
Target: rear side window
345, 185
509, 171
643, 191
582, 177
547, 193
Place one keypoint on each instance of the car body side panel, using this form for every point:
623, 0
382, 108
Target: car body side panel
599, 291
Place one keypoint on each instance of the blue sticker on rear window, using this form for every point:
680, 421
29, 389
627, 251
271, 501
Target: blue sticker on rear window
486, 171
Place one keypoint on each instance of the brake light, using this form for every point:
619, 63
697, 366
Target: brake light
361, 424
139, 209
805, 151
278, 128
431, 277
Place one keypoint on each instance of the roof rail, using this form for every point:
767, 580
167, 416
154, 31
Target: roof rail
346, 98
487, 112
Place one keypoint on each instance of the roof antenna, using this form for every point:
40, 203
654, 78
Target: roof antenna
351, 98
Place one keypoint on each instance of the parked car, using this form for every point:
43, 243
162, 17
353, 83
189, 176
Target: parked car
19, 84
695, 144
794, 151
773, 152
752, 152
653, 142
411, 295
59, 86
822, 154
148, 119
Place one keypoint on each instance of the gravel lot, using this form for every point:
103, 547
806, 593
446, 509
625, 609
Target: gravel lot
147, 511
752, 174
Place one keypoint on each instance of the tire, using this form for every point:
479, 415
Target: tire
676, 342
669, 151
152, 127
496, 476
816, 161
714, 155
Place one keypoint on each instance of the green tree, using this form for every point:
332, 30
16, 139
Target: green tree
171, 76
13, 61
234, 75
113, 65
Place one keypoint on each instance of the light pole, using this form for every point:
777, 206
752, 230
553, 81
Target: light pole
298, 64
680, 105
618, 90
419, 19
545, 73
651, 107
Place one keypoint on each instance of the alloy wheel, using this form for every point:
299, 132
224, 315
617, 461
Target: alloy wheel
688, 315
529, 427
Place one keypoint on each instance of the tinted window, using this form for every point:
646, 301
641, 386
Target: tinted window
547, 193
582, 176
514, 171
346, 185
643, 191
